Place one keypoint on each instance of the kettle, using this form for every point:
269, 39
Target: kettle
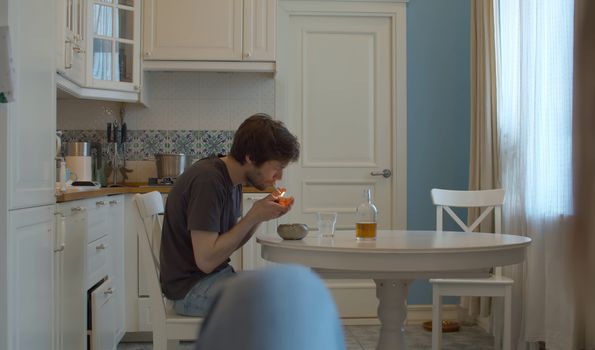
79, 161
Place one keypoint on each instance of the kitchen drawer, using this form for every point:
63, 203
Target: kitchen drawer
99, 257
103, 330
98, 222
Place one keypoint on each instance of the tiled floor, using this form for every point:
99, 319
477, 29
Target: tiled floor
366, 337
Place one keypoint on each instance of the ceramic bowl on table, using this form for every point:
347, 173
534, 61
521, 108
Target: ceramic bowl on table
292, 231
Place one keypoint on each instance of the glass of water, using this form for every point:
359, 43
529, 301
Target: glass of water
326, 223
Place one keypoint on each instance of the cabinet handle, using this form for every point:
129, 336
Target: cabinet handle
77, 49
100, 203
147, 53
67, 54
248, 54
61, 233
78, 209
114, 202
101, 247
110, 290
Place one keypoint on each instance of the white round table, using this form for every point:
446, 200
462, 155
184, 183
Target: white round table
395, 258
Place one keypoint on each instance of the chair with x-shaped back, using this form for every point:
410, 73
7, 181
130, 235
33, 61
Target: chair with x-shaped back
494, 286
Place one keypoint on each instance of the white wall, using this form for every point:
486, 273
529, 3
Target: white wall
180, 101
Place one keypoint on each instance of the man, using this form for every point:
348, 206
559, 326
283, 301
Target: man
201, 228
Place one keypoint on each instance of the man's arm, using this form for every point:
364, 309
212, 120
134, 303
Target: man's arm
211, 249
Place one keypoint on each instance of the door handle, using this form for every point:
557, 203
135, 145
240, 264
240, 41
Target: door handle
386, 173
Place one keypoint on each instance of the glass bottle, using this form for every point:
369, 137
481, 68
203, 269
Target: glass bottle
365, 218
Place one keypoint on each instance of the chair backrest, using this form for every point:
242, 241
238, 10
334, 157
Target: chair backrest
490, 200
149, 206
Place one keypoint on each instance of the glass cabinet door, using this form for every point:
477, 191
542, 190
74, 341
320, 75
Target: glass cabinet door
114, 32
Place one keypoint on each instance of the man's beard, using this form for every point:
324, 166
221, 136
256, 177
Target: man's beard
255, 179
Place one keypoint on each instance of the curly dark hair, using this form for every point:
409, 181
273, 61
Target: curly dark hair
262, 139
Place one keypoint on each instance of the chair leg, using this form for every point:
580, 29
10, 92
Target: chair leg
507, 338
172, 344
497, 321
159, 341
436, 318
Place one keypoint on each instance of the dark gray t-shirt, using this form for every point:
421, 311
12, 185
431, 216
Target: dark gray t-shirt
203, 198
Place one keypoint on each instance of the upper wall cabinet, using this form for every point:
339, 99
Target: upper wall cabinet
71, 31
198, 34
101, 52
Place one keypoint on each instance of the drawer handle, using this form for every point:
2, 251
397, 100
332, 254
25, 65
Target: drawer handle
101, 247
78, 209
100, 203
114, 202
110, 290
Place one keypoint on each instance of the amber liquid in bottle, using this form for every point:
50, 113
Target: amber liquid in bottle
365, 230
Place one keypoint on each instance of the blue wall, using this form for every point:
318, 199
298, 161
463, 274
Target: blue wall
438, 109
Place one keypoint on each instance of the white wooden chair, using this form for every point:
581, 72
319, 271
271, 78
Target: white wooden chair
168, 327
494, 286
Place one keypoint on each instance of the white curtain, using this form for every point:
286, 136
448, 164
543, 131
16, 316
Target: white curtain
102, 48
534, 68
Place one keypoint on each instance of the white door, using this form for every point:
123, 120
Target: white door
30, 282
340, 89
192, 30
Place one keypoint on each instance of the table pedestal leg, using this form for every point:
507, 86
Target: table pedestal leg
392, 312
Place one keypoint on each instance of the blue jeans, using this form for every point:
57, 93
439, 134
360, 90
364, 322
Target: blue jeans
199, 299
286, 307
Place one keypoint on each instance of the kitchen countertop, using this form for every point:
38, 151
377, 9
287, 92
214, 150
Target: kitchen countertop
73, 195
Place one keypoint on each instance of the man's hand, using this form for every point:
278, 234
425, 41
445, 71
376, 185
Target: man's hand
267, 208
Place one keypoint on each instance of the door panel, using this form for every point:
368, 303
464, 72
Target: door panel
340, 107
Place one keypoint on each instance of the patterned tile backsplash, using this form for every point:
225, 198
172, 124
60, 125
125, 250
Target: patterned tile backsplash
143, 144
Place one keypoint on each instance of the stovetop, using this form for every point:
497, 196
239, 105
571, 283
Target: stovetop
166, 181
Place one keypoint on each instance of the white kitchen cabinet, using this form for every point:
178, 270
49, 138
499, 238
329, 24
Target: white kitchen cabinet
116, 219
89, 273
72, 42
104, 262
69, 272
113, 44
99, 51
251, 259
31, 117
103, 311
208, 30
29, 288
